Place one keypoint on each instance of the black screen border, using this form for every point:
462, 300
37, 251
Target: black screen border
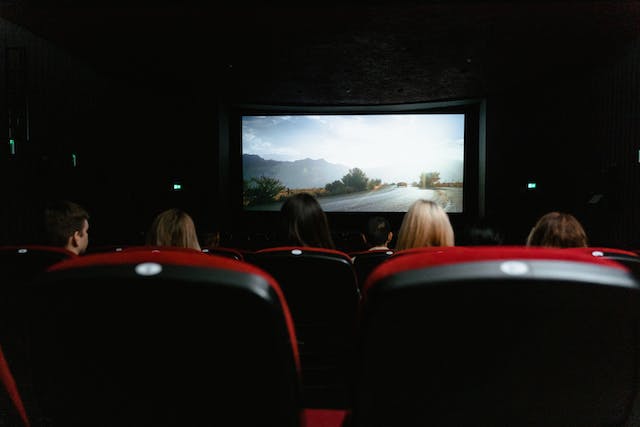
230, 167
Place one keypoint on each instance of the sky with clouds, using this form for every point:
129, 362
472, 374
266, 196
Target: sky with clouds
392, 147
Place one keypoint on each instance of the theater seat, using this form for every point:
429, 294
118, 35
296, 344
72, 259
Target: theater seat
19, 265
225, 252
365, 261
321, 290
93, 249
12, 409
498, 336
625, 257
162, 338
25, 262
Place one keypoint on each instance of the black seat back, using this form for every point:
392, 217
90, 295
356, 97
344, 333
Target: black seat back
498, 336
364, 262
321, 290
162, 338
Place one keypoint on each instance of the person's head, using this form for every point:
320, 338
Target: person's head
558, 229
305, 223
173, 227
378, 231
67, 226
425, 224
483, 233
212, 239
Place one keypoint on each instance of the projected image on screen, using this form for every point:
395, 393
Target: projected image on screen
354, 163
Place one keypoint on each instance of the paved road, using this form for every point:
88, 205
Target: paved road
390, 199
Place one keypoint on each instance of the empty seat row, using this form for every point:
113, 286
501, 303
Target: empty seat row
438, 336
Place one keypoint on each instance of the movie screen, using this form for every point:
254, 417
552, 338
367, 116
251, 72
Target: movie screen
355, 162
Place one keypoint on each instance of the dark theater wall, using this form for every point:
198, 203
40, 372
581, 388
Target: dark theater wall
577, 137
132, 140
573, 129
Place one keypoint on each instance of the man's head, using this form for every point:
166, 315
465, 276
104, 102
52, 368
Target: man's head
378, 231
67, 226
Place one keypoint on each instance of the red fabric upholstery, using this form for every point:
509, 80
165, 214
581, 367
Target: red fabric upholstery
629, 259
457, 336
184, 257
321, 288
324, 418
600, 251
226, 252
432, 256
145, 248
44, 248
309, 249
11, 388
105, 248
21, 264
384, 251
225, 324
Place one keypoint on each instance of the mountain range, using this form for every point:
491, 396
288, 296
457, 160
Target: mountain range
304, 173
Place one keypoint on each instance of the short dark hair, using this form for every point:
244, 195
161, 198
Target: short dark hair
378, 229
62, 218
483, 232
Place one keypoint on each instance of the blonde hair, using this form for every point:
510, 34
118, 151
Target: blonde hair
425, 224
559, 230
173, 227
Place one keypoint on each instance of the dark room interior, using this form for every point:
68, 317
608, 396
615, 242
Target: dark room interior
112, 104
246, 305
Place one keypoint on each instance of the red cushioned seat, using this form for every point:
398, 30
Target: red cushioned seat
628, 258
24, 262
468, 336
225, 252
321, 289
20, 265
12, 409
219, 251
93, 249
162, 338
326, 417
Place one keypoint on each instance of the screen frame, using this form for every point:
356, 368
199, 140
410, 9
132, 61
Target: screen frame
230, 167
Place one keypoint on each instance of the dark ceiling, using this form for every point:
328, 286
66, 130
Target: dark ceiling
335, 52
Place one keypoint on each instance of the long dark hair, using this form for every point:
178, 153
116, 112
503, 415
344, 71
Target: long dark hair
304, 222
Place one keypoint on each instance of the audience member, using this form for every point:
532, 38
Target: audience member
378, 233
67, 226
173, 227
558, 229
482, 233
425, 224
211, 239
305, 223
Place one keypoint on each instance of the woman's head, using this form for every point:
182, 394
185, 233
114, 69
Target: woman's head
557, 229
173, 227
425, 224
305, 223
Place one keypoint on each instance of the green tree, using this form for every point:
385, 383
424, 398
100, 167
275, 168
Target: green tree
263, 190
429, 179
355, 180
336, 187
